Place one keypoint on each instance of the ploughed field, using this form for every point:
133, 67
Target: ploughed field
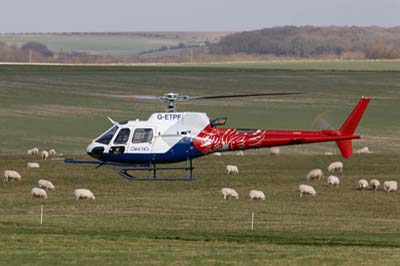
189, 223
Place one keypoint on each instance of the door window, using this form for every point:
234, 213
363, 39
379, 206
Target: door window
123, 136
142, 135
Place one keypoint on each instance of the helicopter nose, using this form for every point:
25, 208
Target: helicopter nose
95, 150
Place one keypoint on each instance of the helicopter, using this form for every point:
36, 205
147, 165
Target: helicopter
171, 137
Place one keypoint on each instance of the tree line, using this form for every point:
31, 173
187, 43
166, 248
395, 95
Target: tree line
309, 41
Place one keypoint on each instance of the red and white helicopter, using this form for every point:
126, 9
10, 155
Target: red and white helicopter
172, 136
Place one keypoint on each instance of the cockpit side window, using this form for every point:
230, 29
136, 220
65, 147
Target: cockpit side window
142, 135
123, 136
107, 137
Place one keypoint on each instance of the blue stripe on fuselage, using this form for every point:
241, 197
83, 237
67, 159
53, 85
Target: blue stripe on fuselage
179, 152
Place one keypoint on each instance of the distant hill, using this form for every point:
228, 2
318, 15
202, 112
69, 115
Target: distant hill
117, 44
308, 41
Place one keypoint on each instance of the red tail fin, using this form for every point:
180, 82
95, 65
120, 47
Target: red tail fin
350, 125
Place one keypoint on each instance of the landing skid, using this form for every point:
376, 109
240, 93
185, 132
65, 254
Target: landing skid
123, 170
152, 169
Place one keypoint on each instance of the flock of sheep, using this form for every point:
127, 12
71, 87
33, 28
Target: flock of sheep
43, 184
315, 174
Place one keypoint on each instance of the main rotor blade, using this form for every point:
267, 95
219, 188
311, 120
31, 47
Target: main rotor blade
243, 95
137, 97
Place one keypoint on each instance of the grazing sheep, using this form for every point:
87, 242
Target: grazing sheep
33, 165
256, 195
217, 153
362, 184
328, 153
33, 151
229, 193
363, 150
45, 155
274, 151
335, 167
375, 184
83, 193
390, 186
43, 183
52, 152
333, 180
240, 153
315, 174
11, 175
232, 169
38, 193
306, 189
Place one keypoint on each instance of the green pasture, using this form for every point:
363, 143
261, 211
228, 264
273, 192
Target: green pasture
115, 45
188, 223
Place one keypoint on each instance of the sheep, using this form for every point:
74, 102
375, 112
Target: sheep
232, 169
315, 174
43, 183
33, 151
274, 151
390, 185
84, 194
33, 165
306, 189
333, 180
217, 154
256, 194
52, 152
38, 193
229, 193
362, 184
328, 153
363, 150
11, 175
45, 155
335, 167
375, 184
240, 153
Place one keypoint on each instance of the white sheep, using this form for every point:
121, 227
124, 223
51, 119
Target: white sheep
11, 175
362, 184
232, 169
333, 180
229, 193
389, 186
306, 189
38, 193
335, 167
52, 152
45, 155
315, 174
328, 153
83, 193
33, 151
240, 153
217, 154
46, 184
256, 195
363, 150
375, 184
33, 165
274, 151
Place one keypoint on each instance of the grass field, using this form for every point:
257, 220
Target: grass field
114, 45
188, 223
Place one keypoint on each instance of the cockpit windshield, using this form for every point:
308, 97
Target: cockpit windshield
106, 137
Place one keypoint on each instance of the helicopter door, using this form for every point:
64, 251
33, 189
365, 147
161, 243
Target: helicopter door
142, 140
120, 144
